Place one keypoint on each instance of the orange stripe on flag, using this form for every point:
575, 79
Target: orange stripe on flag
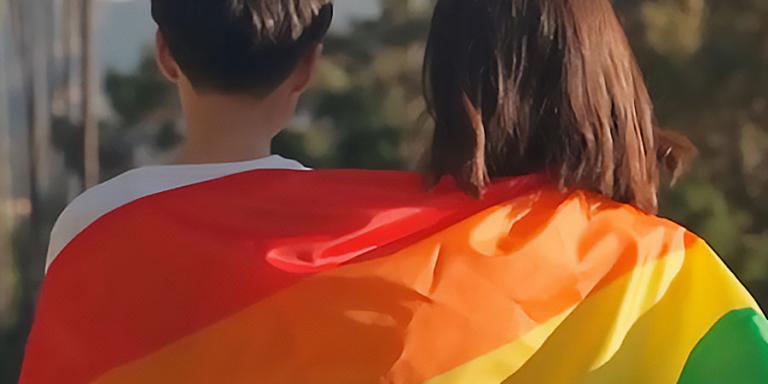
428, 308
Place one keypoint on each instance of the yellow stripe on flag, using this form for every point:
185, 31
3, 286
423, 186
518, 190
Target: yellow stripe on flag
474, 305
497, 365
658, 343
617, 306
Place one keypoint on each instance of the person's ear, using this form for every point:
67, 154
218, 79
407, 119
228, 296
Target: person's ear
305, 70
165, 61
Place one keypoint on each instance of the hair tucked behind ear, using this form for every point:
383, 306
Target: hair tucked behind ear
525, 86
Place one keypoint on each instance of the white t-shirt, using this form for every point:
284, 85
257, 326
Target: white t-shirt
142, 182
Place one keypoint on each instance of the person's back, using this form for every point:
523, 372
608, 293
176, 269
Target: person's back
240, 67
551, 86
559, 273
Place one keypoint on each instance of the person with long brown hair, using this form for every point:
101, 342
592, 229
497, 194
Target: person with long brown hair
552, 87
527, 86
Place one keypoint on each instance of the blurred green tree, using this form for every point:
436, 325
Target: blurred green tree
366, 103
707, 66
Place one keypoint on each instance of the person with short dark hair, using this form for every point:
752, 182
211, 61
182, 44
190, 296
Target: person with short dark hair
240, 67
239, 47
535, 255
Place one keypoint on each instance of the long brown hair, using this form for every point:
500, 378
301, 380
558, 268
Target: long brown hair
523, 86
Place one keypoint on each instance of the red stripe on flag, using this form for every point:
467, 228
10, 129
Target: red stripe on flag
167, 265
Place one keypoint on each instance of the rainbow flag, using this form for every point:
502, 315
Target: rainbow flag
363, 277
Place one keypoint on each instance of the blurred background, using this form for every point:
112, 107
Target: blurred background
81, 101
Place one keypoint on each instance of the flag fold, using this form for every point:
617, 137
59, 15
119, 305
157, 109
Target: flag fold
365, 277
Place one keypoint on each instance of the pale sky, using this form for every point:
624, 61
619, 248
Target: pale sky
124, 27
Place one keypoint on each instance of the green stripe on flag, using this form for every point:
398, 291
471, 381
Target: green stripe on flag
734, 351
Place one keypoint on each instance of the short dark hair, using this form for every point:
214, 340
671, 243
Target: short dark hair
526, 86
241, 46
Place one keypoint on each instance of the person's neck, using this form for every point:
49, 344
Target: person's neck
222, 129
